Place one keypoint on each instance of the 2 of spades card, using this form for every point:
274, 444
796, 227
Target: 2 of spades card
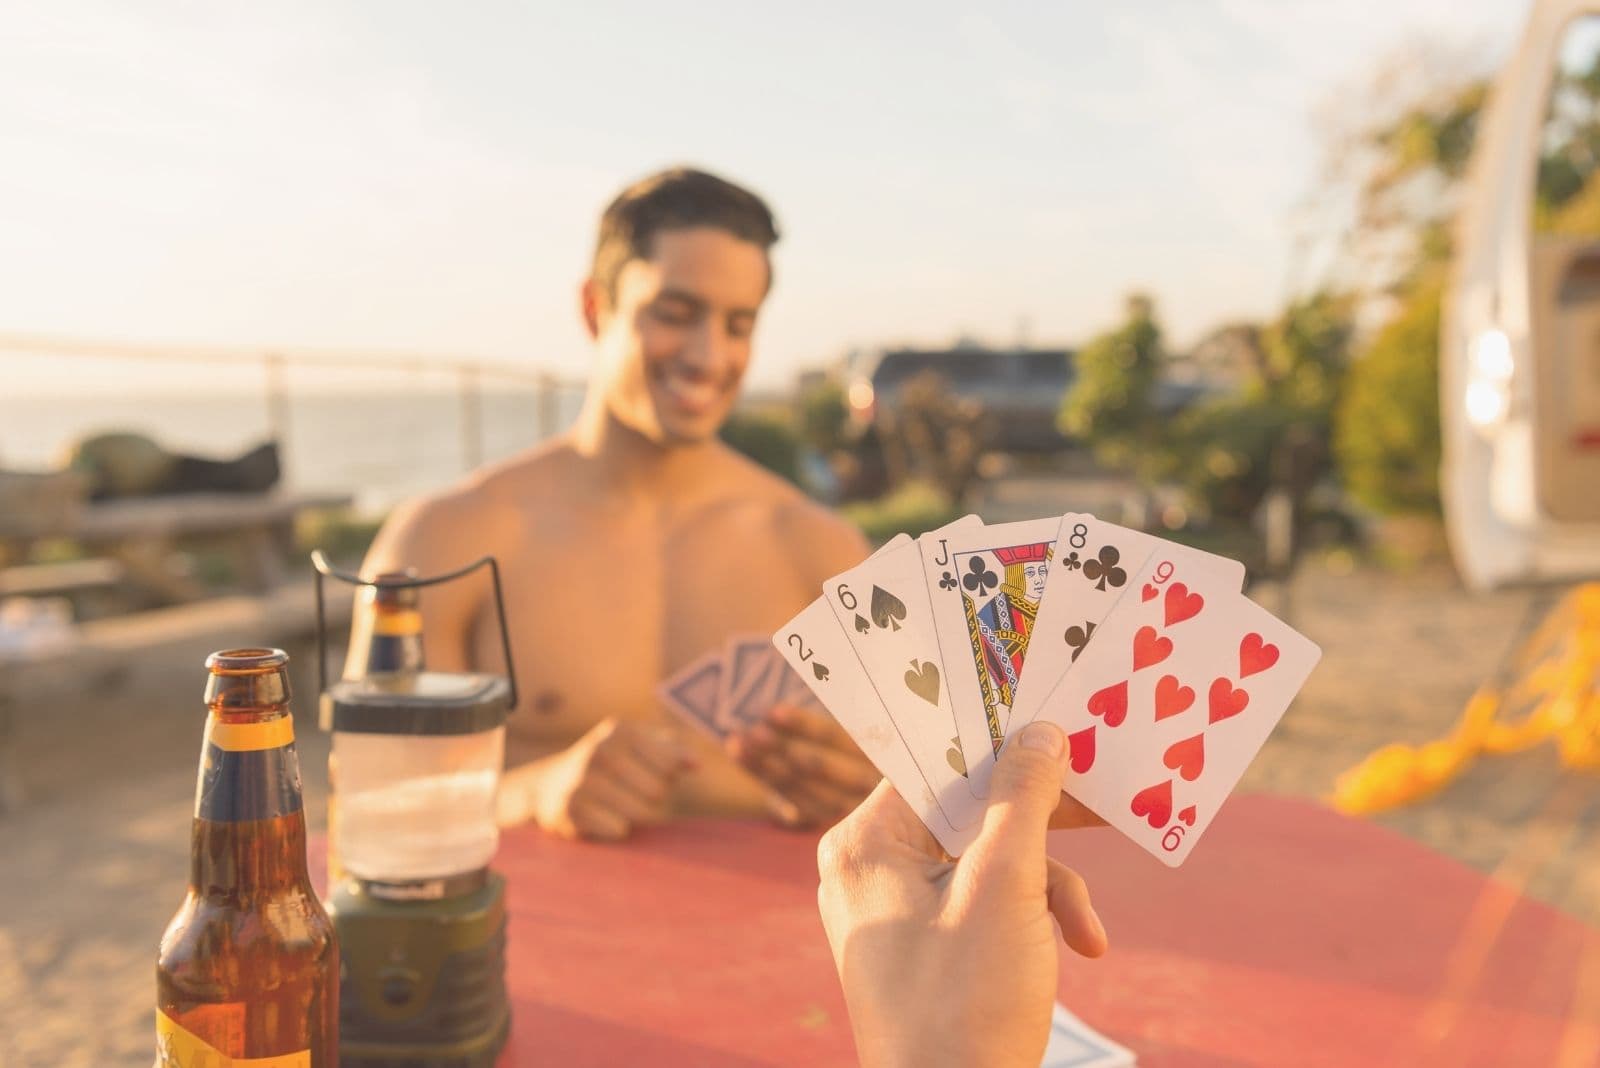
985, 585
882, 606
1172, 699
814, 646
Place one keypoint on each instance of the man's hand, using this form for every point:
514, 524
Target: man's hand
815, 770
955, 962
616, 777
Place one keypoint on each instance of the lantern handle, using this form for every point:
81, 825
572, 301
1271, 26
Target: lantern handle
400, 582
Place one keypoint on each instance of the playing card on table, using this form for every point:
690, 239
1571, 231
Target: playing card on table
748, 689
1093, 562
1170, 702
692, 693
1074, 1044
882, 606
985, 584
813, 645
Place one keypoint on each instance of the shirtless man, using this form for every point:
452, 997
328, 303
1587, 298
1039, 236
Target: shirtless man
637, 541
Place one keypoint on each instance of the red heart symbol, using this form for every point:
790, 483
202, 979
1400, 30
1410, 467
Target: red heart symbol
1148, 593
1187, 815
1171, 697
1187, 758
1181, 604
1154, 803
1149, 648
1110, 703
1226, 700
1081, 745
1255, 655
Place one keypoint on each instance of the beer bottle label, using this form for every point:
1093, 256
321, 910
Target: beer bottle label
249, 771
179, 1047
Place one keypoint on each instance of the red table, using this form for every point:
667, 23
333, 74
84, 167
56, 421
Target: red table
1293, 937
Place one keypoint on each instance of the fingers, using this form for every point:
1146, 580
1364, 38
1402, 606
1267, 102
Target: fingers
657, 748
798, 722
639, 778
817, 803
848, 770
1067, 896
612, 795
1023, 793
591, 820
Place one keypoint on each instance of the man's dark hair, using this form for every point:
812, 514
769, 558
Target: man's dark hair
676, 199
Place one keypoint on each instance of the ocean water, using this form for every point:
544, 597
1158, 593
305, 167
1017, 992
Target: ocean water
379, 447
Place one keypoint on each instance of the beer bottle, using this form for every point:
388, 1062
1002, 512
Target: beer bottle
249, 967
386, 637
385, 643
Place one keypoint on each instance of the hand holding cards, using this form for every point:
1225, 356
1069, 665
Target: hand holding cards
747, 699
1166, 678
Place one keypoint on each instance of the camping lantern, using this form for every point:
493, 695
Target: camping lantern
420, 915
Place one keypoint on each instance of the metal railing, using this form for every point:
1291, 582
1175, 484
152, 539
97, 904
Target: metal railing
275, 363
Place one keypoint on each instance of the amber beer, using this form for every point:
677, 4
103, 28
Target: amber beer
249, 967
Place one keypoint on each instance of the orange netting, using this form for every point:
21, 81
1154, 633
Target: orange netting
1554, 694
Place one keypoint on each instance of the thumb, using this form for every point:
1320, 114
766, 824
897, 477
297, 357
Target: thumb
1023, 793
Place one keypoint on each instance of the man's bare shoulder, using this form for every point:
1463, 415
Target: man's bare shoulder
482, 512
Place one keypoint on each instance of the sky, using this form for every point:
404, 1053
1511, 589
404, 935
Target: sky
415, 177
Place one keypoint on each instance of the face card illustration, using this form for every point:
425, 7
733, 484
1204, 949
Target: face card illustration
692, 694
819, 654
1094, 561
985, 585
749, 683
1172, 700
882, 606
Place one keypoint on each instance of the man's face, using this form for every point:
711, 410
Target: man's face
1034, 576
675, 342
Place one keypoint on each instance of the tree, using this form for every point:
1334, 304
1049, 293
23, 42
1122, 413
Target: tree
1112, 402
1229, 451
935, 436
1387, 436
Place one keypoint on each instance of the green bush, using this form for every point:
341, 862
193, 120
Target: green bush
913, 508
1387, 432
823, 417
767, 440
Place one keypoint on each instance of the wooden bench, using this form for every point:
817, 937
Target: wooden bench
141, 536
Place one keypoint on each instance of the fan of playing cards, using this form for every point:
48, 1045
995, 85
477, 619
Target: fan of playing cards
1164, 676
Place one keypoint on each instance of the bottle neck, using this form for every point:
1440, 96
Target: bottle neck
387, 639
249, 828
247, 859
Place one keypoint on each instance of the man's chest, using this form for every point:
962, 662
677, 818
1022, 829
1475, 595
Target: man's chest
601, 612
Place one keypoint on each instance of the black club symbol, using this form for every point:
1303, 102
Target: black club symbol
1078, 637
980, 580
1071, 561
1104, 569
948, 582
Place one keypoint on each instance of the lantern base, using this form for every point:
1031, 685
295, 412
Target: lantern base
422, 982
